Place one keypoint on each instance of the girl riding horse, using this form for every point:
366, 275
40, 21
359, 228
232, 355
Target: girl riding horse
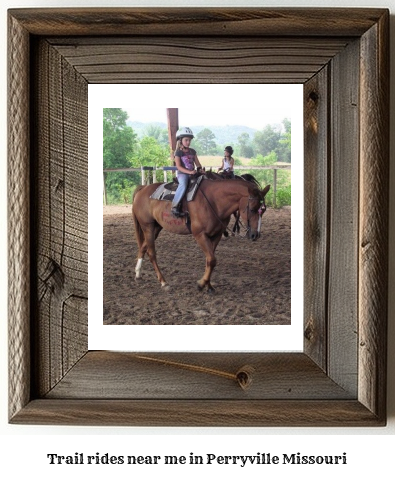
227, 163
185, 159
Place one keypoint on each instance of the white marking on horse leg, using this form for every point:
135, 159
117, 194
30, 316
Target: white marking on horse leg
138, 268
165, 285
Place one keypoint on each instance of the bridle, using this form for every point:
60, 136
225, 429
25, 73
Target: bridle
261, 211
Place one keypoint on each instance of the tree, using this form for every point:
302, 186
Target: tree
151, 153
284, 149
205, 142
160, 134
119, 140
274, 139
267, 160
245, 147
267, 140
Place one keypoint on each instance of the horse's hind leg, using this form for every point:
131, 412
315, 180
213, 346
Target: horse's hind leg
151, 233
140, 257
142, 251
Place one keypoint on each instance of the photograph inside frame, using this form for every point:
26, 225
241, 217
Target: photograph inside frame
196, 218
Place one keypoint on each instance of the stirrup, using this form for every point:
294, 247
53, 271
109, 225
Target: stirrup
176, 212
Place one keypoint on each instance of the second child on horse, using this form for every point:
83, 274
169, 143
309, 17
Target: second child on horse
227, 163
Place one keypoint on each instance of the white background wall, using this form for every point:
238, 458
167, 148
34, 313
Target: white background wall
24, 449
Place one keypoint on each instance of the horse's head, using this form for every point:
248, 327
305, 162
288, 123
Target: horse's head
252, 209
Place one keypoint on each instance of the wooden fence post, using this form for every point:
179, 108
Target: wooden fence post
172, 127
146, 178
142, 176
173, 169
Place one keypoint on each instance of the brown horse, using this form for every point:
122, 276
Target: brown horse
209, 215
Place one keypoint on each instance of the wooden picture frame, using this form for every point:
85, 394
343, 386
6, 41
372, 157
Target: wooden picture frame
342, 58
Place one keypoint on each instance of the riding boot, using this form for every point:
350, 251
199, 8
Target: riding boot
176, 210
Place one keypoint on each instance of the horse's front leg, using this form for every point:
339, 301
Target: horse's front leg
236, 227
208, 246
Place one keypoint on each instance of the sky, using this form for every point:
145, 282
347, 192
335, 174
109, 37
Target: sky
253, 105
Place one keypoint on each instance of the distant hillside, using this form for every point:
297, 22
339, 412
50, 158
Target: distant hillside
223, 134
139, 127
226, 134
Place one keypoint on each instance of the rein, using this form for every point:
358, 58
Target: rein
246, 229
215, 214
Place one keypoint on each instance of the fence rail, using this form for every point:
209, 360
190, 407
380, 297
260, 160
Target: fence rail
148, 174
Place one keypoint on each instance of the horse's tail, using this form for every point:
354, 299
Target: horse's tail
137, 226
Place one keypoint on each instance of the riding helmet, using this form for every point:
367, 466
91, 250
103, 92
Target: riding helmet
229, 149
184, 133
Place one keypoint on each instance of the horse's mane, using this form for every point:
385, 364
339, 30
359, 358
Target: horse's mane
212, 175
246, 177
253, 184
250, 178
254, 188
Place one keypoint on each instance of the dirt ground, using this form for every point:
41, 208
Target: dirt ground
252, 279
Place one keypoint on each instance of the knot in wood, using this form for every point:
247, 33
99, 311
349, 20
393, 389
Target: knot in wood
313, 96
309, 331
244, 376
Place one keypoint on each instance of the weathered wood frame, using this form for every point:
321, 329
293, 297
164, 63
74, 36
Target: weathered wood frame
342, 58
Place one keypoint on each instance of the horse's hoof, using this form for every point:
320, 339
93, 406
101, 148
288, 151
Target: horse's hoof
211, 290
165, 287
200, 286
137, 279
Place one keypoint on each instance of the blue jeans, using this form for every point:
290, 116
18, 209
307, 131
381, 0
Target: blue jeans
183, 181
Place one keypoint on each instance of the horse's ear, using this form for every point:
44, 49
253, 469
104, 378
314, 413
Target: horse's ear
265, 190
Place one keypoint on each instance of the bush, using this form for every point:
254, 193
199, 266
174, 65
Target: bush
283, 197
265, 177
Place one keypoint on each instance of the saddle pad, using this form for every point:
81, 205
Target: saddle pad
162, 192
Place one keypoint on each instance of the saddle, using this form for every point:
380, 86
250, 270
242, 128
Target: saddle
227, 174
166, 191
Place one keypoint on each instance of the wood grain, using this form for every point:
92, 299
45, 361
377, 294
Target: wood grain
373, 228
176, 60
18, 212
317, 196
227, 22
186, 376
343, 242
341, 56
61, 225
202, 413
